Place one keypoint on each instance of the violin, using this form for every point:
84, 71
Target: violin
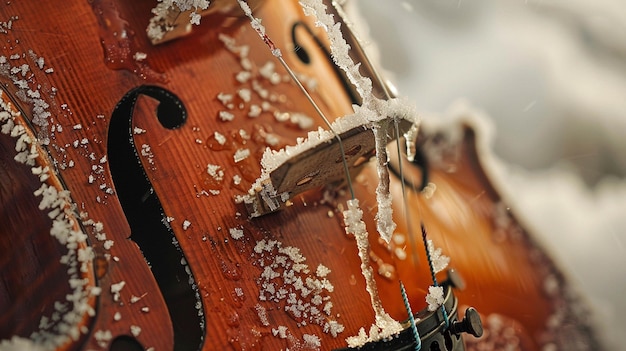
147, 205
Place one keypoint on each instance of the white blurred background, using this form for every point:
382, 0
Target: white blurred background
551, 76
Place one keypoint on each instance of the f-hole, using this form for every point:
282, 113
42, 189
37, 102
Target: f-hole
434, 346
125, 343
144, 213
305, 57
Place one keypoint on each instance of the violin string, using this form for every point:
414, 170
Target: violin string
377, 77
256, 25
387, 95
432, 271
407, 217
407, 306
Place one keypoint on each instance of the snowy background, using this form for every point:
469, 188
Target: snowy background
551, 76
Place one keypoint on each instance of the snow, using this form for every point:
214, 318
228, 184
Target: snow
434, 298
158, 25
241, 154
322, 271
559, 116
135, 330
312, 341
186, 224
236, 233
383, 109
272, 159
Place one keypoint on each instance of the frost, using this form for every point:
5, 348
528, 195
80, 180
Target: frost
272, 159
116, 289
322, 271
258, 27
245, 94
339, 47
186, 224
159, 24
374, 114
140, 56
226, 116
384, 325
236, 233
439, 261
135, 330
241, 154
262, 313
434, 299
62, 326
194, 18
286, 278
281, 332
340, 54
215, 171
255, 111
312, 341
220, 138
103, 337
225, 99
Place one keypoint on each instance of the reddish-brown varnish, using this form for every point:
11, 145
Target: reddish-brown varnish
83, 57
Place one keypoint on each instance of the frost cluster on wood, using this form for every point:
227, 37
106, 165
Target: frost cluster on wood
21, 76
287, 278
63, 325
253, 79
159, 26
40, 98
340, 53
236, 233
385, 109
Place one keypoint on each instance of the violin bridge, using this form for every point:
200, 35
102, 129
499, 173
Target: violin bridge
318, 166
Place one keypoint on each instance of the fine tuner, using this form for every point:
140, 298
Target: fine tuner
437, 331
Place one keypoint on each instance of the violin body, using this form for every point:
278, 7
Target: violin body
155, 144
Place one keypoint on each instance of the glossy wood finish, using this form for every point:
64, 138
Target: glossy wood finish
91, 45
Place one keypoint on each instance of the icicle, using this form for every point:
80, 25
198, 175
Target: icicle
439, 261
410, 138
371, 105
384, 326
339, 48
384, 217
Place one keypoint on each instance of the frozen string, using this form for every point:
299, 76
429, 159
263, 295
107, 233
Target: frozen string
432, 272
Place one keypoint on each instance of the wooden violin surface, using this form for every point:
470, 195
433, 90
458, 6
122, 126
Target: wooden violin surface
152, 148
